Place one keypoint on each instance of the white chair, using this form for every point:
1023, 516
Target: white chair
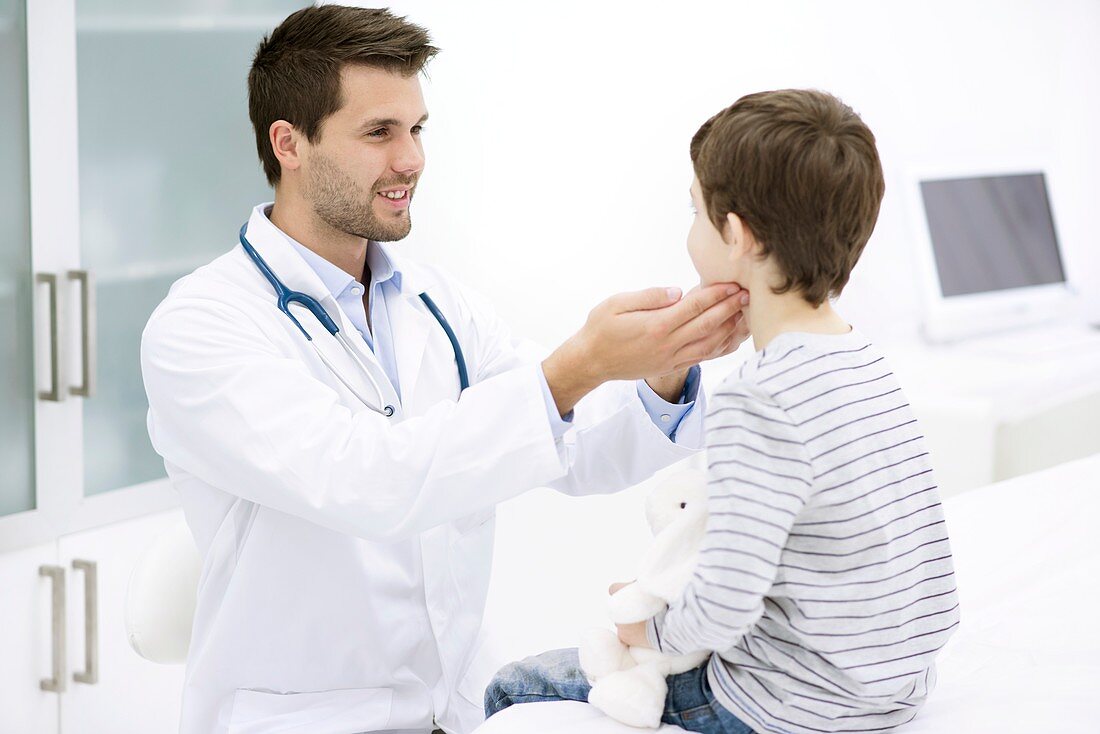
160, 599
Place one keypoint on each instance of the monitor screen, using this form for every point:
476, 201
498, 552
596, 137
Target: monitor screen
992, 233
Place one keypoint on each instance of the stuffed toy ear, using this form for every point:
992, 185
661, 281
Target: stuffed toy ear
668, 563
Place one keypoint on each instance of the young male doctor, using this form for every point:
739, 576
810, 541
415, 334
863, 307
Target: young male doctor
341, 487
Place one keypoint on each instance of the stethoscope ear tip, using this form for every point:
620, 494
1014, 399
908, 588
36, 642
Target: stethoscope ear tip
388, 412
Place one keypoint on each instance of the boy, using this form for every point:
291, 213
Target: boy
824, 586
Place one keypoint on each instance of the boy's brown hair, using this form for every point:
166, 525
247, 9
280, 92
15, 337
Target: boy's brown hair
801, 170
295, 73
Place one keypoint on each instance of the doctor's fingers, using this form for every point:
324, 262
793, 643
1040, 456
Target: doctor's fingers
712, 320
643, 300
737, 337
700, 301
721, 340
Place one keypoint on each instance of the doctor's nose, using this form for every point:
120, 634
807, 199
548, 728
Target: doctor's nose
408, 157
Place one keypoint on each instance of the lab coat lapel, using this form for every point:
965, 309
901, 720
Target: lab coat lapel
411, 324
296, 274
414, 331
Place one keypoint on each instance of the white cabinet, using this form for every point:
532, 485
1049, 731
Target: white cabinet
62, 622
26, 647
127, 160
129, 695
1001, 406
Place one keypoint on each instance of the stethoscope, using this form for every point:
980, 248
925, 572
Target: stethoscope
286, 297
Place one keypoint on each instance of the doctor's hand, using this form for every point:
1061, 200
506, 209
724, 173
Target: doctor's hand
670, 386
646, 334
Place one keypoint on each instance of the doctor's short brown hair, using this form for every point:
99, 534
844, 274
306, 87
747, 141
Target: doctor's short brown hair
801, 170
295, 73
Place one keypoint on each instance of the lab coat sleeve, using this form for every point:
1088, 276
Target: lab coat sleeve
614, 443
227, 405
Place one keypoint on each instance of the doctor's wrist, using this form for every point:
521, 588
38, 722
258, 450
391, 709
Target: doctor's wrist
570, 374
670, 387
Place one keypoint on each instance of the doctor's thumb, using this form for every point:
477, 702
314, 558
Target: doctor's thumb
648, 299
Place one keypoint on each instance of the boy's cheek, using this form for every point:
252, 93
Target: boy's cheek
697, 261
707, 270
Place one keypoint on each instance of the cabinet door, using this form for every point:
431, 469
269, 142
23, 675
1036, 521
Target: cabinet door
111, 688
26, 641
18, 498
168, 172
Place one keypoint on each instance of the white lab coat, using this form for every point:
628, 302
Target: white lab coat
301, 499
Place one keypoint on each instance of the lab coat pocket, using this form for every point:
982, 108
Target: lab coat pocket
314, 712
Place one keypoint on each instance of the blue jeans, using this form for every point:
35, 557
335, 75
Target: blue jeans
557, 676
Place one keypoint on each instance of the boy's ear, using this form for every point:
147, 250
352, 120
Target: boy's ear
736, 235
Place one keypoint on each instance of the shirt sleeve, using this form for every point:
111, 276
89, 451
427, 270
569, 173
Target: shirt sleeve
665, 415
760, 478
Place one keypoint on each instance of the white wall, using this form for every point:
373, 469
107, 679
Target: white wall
558, 171
557, 150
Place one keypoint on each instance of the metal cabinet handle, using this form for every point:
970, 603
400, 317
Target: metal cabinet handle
57, 576
54, 393
87, 333
91, 624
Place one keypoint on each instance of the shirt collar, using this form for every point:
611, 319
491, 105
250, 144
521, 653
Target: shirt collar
335, 279
382, 267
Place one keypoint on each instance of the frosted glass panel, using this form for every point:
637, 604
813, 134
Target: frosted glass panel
168, 173
17, 393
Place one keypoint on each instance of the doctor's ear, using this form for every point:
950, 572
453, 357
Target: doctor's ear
284, 142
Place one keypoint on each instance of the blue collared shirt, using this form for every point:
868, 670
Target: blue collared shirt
385, 284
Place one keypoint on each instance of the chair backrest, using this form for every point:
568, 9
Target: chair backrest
160, 599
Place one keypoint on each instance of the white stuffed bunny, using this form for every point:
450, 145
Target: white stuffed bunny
628, 683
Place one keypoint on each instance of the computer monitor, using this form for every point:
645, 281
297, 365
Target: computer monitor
989, 252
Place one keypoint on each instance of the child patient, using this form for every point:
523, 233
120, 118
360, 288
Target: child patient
824, 586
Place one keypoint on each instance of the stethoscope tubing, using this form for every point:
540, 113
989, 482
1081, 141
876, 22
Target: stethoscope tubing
286, 297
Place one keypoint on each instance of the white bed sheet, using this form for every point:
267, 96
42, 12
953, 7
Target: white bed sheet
1026, 657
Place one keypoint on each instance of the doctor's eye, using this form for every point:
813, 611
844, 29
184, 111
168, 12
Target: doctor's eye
377, 133
417, 129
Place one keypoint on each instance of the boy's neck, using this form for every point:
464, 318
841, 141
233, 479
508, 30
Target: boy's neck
771, 314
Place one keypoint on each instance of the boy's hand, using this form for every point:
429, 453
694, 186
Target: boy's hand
614, 588
633, 634
630, 634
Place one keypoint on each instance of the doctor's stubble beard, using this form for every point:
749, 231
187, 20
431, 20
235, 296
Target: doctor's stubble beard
338, 202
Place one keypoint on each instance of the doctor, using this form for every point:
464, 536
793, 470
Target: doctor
339, 477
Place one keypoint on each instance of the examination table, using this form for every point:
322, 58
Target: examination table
1026, 657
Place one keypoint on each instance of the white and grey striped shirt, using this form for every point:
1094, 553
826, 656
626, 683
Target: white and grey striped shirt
824, 583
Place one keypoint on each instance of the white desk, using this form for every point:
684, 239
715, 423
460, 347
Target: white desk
999, 407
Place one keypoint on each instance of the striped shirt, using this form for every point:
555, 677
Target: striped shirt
824, 582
